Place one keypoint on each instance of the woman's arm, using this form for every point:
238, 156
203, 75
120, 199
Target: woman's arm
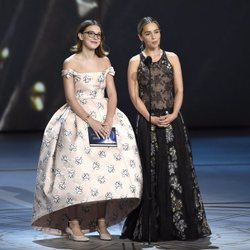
133, 88
178, 90
112, 101
178, 84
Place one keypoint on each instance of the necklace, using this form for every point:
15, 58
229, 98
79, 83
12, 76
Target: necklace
154, 56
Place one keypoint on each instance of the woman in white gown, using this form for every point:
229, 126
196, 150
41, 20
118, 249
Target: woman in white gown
80, 187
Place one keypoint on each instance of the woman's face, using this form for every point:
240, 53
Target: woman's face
151, 36
91, 36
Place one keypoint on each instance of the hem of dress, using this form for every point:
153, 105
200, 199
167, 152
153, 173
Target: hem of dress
53, 231
59, 232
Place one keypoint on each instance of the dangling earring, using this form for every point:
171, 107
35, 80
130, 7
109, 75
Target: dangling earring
142, 46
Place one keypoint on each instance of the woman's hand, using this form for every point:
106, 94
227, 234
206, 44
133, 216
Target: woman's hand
108, 126
165, 120
155, 120
101, 129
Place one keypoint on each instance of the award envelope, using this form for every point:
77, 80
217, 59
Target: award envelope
95, 141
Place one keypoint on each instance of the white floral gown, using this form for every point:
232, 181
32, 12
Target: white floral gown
71, 173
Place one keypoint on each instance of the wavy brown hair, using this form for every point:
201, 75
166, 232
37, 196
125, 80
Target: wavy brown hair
77, 48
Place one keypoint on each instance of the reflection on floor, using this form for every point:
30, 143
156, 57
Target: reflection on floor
222, 160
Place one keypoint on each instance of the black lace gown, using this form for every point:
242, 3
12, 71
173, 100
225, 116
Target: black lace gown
171, 206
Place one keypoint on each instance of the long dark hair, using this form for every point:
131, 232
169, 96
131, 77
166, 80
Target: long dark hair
99, 51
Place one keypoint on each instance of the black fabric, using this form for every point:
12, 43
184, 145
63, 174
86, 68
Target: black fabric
171, 206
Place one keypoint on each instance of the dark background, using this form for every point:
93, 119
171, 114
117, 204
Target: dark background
211, 38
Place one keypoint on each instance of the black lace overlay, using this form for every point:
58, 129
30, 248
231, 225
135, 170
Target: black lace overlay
157, 85
171, 206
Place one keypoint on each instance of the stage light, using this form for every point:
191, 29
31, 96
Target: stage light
38, 90
4, 53
37, 103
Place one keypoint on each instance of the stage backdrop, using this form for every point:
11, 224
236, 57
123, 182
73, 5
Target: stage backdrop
210, 37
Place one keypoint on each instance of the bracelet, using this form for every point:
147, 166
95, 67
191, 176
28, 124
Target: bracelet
86, 118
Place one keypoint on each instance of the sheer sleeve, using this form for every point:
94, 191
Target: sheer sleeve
68, 73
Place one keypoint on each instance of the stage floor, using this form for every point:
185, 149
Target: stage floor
222, 161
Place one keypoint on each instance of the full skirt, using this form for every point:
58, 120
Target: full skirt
72, 174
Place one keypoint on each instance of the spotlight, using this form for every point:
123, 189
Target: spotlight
38, 90
4, 53
37, 103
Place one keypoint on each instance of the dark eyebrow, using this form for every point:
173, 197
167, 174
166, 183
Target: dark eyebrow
93, 31
148, 31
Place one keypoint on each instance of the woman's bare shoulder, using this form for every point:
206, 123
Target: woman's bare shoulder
69, 62
171, 54
134, 63
135, 58
173, 58
104, 62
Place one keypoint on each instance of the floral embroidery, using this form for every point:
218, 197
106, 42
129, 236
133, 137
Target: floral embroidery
78, 189
111, 168
78, 160
69, 201
86, 177
125, 173
70, 172
101, 179
56, 199
86, 79
125, 146
108, 196
72, 147
62, 185
102, 154
118, 185
94, 192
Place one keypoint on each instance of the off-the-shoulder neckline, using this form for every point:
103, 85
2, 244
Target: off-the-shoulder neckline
84, 73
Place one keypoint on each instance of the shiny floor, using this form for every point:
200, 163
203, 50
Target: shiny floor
222, 160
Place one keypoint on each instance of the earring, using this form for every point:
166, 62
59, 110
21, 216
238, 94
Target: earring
142, 46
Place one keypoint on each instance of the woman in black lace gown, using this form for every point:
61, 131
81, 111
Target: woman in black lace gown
171, 206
